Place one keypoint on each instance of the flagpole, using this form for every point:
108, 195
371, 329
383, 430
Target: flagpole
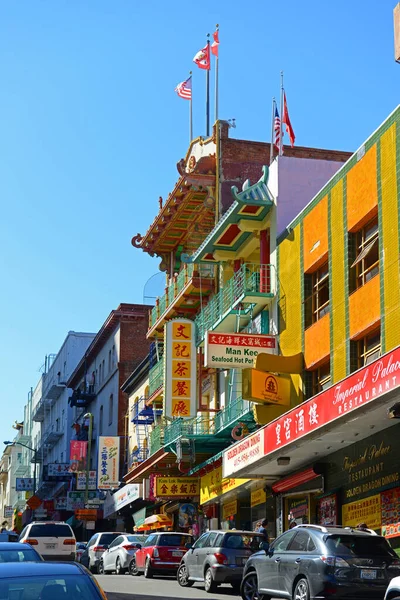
281, 117
271, 148
208, 90
191, 111
216, 80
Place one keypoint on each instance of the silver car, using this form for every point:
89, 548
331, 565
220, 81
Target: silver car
120, 552
96, 546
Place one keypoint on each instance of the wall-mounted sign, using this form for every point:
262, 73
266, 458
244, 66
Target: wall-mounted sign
265, 388
8, 512
76, 500
180, 374
243, 453
113, 502
108, 462
327, 510
77, 456
390, 512
24, 484
365, 511
81, 480
235, 350
213, 485
258, 497
175, 487
58, 469
229, 510
60, 503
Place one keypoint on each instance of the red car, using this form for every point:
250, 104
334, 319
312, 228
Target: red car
161, 553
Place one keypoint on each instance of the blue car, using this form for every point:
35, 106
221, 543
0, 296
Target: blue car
11, 552
48, 581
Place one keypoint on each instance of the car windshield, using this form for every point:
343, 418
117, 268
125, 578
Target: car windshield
174, 539
50, 530
106, 538
56, 587
137, 539
243, 540
19, 556
359, 546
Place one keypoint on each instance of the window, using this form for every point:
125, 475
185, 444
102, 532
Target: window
318, 380
106, 538
150, 540
109, 361
101, 420
104, 368
210, 540
113, 356
57, 424
110, 409
202, 541
300, 542
100, 377
316, 293
62, 457
364, 247
116, 542
281, 544
365, 351
174, 539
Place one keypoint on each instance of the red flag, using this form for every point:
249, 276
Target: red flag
202, 58
215, 44
286, 120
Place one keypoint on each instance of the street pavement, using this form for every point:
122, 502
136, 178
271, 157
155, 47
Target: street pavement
126, 587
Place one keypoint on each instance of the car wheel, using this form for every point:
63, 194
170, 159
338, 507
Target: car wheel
100, 569
209, 584
301, 591
183, 576
133, 570
249, 587
118, 569
148, 571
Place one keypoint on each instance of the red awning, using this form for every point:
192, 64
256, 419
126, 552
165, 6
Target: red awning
293, 481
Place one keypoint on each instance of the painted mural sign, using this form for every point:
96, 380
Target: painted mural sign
235, 350
108, 462
180, 389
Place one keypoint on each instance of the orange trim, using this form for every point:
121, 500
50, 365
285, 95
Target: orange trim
362, 190
317, 342
364, 308
315, 236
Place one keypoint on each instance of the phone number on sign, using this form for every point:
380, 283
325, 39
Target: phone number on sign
244, 458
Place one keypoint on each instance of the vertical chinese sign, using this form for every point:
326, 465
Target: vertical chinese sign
77, 456
180, 389
108, 462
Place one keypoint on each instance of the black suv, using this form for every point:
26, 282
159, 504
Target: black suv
311, 561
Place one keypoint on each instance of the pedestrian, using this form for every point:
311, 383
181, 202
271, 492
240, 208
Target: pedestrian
263, 530
292, 524
362, 527
257, 526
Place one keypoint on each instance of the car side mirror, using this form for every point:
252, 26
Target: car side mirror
138, 546
189, 546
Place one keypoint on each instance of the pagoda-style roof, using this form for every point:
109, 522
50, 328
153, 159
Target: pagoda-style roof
188, 214
248, 213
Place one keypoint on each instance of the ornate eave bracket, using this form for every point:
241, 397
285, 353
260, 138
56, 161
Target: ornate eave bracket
256, 193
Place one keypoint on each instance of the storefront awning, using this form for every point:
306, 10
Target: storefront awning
293, 481
155, 522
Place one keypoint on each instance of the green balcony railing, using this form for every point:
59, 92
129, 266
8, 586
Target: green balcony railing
177, 285
156, 377
236, 410
250, 279
198, 427
156, 439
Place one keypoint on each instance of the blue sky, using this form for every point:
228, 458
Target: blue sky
91, 131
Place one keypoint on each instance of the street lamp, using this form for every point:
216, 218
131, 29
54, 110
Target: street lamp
34, 459
89, 449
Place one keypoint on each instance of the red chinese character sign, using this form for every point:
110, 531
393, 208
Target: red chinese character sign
235, 350
180, 390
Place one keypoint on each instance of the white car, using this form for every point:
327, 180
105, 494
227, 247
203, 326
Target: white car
53, 540
393, 591
118, 556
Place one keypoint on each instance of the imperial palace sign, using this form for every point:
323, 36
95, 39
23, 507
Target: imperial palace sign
235, 350
361, 388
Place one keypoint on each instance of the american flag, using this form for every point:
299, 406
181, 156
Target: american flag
184, 89
277, 129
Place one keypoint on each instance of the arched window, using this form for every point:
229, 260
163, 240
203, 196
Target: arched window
110, 409
101, 421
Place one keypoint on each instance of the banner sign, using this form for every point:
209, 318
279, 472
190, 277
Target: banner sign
365, 511
81, 480
235, 350
108, 462
113, 502
243, 453
175, 487
213, 485
76, 500
58, 469
77, 456
24, 484
180, 369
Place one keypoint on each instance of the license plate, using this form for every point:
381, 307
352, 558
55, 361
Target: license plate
368, 574
50, 546
177, 553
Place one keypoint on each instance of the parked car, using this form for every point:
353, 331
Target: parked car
218, 557
120, 552
9, 536
393, 590
161, 553
16, 552
53, 540
48, 581
311, 561
80, 549
96, 546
